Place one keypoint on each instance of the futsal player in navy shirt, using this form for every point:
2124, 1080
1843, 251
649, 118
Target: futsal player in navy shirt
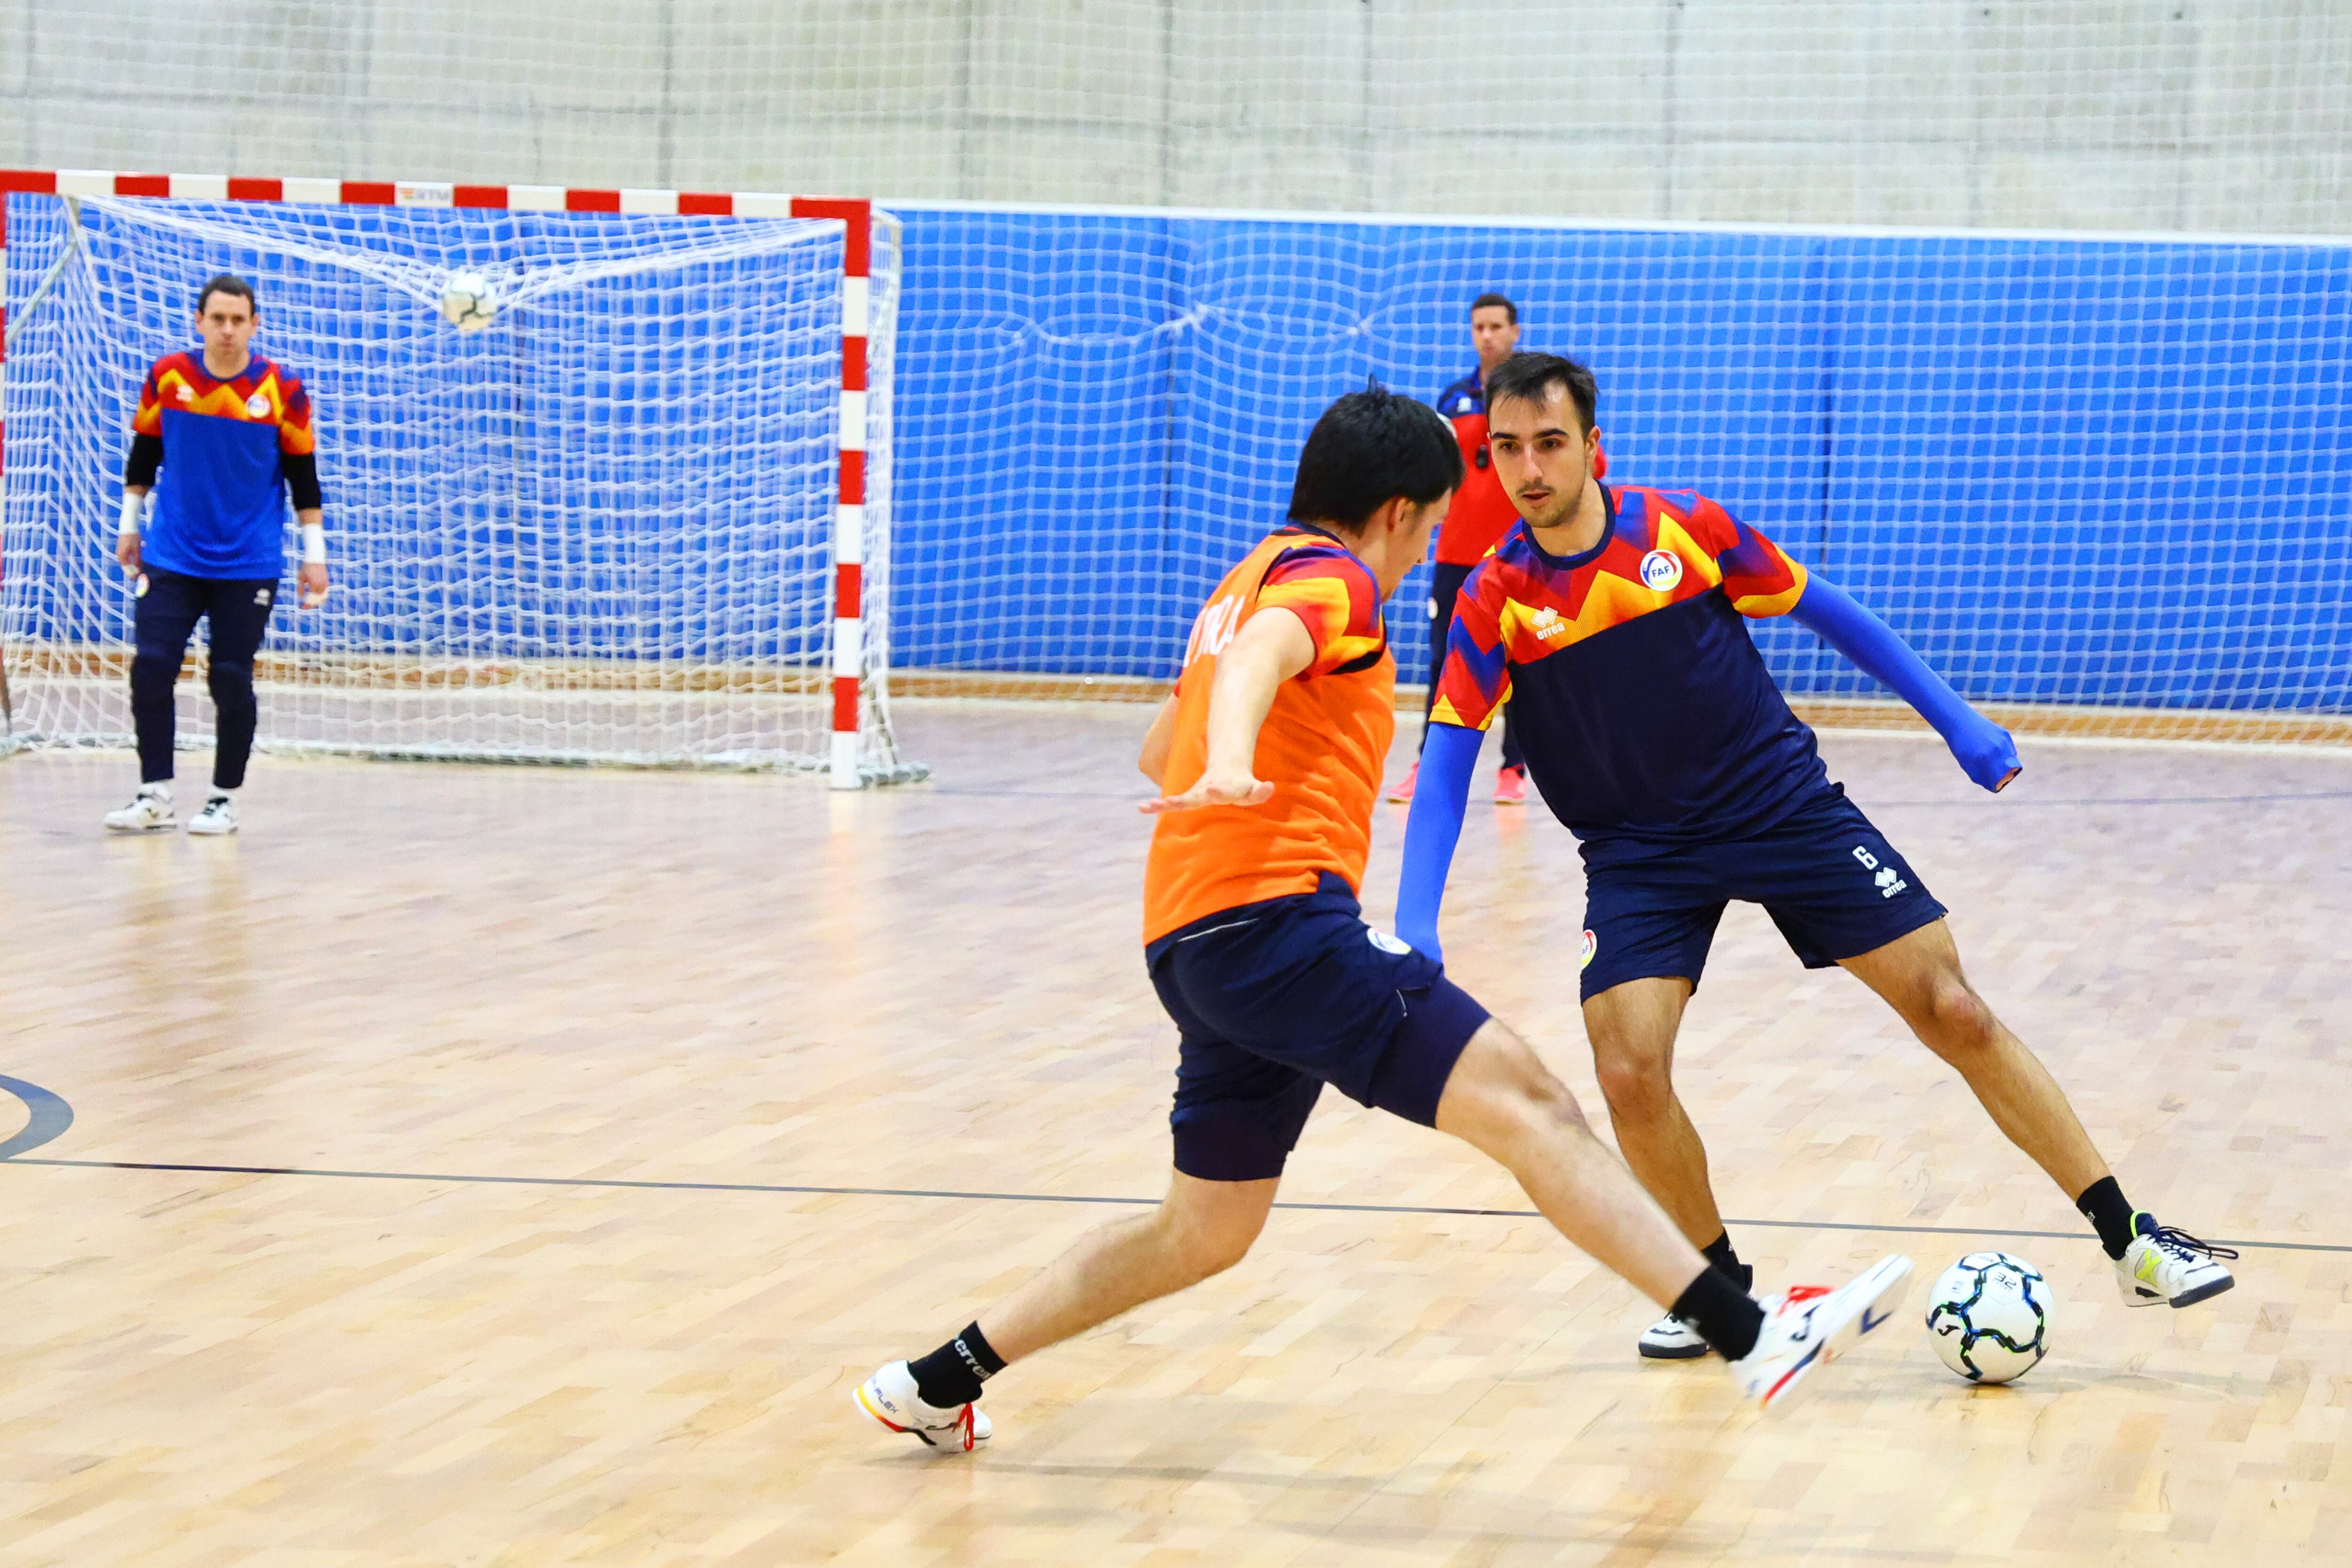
221, 439
1614, 620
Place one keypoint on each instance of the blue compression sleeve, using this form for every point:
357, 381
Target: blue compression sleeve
1448, 756
1985, 751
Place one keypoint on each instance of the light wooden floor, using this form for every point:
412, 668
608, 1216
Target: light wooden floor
577, 1074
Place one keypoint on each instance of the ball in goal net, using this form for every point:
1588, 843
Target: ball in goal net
633, 510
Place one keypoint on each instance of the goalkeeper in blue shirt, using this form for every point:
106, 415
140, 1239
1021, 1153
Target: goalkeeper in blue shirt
221, 439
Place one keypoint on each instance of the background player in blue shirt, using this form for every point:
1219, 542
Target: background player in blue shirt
221, 436
1613, 618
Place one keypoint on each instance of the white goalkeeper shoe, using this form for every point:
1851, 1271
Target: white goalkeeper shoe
218, 817
2168, 1268
150, 811
1811, 1325
890, 1397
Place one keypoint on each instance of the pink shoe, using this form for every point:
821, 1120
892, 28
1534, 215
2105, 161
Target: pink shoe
1511, 787
1404, 791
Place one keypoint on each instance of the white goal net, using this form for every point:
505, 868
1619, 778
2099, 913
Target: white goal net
603, 528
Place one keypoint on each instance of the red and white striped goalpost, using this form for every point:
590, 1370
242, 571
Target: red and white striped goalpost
857, 258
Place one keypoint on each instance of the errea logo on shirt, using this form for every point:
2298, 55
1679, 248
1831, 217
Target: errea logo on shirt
1661, 570
1547, 624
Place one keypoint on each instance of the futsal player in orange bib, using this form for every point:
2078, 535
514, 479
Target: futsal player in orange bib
1269, 755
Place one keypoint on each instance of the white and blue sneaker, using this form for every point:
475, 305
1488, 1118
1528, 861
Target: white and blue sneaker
150, 811
218, 817
1809, 1326
890, 1397
2167, 1267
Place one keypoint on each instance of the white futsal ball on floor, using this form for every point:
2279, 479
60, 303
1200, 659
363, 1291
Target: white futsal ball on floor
1989, 1317
469, 301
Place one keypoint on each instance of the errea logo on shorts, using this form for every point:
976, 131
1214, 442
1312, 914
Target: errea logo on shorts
1889, 881
1661, 570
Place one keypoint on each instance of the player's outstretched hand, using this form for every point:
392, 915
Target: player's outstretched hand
1232, 789
313, 581
1988, 755
126, 551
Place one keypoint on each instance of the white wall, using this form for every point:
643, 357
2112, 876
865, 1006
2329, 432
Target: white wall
2066, 113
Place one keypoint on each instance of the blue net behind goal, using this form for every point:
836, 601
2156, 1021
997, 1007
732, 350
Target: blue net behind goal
2106, 472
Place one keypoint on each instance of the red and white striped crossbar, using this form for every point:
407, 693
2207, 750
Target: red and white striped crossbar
856, 256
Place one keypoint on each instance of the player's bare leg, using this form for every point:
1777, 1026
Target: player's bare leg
1633, 1029
1199, 1229
1501, 1099
1919, 976
1506, 1103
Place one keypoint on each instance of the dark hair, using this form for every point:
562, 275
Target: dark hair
229, 283
1532, 376
1368, 447
1483, 300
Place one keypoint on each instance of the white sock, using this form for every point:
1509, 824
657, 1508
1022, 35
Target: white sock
159, 790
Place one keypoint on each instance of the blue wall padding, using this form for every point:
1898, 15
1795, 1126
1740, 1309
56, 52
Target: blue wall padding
2067, 470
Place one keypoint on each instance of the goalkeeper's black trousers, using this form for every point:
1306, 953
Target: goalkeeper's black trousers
170, 606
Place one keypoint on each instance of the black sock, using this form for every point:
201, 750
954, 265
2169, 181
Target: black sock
1726, 1316
951, 1374
2103, 1205
1718, 1252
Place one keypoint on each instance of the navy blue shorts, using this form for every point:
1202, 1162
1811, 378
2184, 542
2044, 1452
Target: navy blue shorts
1274, 1000
1829, 879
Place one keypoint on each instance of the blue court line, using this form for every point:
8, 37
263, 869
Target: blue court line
617, 1183
50, 1117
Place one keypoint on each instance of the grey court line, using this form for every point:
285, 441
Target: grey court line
781, 1189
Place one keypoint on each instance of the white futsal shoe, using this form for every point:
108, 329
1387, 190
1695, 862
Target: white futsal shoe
150, 811
2168, 1268
218, 817
890, 1397
1811, 1325
1672, 1338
